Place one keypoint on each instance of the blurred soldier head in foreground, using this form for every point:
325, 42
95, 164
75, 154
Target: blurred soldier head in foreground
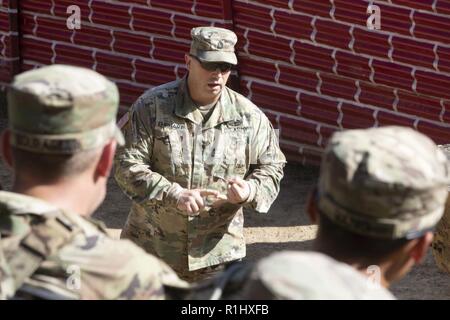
380, 194
62, 129
60, 144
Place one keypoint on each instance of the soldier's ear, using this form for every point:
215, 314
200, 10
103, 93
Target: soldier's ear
187, 59
419, 250
105, 162
311, 206
5, 147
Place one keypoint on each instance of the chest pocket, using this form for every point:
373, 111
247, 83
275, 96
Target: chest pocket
233, 154
171, 156
235, 148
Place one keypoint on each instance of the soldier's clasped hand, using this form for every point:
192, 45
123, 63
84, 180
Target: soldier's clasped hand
191, 201
238, 190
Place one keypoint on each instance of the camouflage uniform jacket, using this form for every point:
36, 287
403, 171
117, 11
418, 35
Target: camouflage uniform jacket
47, 253
168, 147
296, 275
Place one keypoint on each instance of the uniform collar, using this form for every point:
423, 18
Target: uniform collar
224, 111
16, 203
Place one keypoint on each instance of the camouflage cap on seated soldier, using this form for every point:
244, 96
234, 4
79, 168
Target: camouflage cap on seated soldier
388, 182
62, 109
212, 44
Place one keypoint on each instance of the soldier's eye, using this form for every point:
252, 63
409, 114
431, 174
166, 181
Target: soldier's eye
223, 67
213, 66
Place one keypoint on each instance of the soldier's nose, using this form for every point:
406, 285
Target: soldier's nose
217, 70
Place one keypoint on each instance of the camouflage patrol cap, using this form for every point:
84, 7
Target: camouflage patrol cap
388, 182
212, 44
62, 109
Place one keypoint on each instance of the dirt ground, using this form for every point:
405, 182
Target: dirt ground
286, 226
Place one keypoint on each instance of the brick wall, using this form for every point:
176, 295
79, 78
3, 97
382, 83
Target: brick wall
9, 49
315, 67
138, 44
312, 65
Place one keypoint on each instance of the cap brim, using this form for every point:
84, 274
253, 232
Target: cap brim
217, 56
119, 136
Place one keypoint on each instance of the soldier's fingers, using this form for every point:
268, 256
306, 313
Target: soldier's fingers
236, 189
208, 192
201, 205
194, 207
221, 197
239, 182
232, 195
182, 206
198, 200
232, 187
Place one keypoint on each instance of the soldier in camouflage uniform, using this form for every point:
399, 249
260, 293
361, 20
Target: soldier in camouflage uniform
196, 153
60, 145
381, 192
441, 243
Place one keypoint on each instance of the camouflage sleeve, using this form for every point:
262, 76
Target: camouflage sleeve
115, 269
133, 169
93, 266
266, 167
7, 287
145, 276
